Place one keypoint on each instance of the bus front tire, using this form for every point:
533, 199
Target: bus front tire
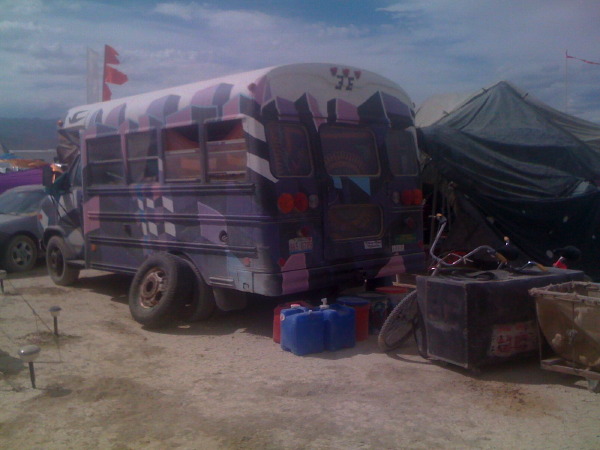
156, 289
57, 255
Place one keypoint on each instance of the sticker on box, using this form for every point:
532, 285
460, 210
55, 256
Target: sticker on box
513, 338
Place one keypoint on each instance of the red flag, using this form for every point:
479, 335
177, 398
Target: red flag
114, 76
582, 60
106, 92
110, 55
111, 75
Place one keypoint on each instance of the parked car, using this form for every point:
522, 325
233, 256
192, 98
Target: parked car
20, 227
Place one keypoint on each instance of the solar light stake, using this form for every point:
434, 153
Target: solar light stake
55, 311
28, 354
2, 278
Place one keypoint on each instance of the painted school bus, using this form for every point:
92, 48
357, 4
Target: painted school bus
273, 182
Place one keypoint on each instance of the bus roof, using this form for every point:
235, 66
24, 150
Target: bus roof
280, 84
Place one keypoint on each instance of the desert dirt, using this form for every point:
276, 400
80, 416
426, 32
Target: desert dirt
108, 383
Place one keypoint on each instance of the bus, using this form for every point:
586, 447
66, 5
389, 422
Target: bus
276, 182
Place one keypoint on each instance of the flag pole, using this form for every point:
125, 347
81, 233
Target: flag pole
566, 81
104, 74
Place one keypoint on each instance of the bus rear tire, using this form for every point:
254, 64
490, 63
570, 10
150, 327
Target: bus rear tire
200, 302
57, 255
156, 290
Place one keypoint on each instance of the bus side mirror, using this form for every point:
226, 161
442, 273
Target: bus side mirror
56, 187
47, 176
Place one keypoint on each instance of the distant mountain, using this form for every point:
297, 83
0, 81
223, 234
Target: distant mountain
27, 134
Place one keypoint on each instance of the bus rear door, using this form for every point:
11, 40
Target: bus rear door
353, 215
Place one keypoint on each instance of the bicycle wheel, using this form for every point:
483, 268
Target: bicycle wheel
399, 324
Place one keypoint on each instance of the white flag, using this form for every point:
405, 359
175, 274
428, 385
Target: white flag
94, 77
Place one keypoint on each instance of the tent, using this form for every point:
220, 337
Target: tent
519, 167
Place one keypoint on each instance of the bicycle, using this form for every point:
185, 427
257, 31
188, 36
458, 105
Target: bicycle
405, 318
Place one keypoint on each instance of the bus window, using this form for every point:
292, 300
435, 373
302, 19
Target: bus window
402, 154
354, 221
349, 151
142, 157
290, 154
182, 154
226, 147
105, 161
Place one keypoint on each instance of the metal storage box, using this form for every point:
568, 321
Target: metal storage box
471, 322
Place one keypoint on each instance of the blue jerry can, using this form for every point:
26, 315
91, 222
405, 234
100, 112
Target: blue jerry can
302, 331
339, 327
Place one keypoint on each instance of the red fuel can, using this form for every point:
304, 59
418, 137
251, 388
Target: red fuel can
361, 308
277, 320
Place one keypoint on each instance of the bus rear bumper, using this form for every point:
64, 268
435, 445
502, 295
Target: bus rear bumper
301, 279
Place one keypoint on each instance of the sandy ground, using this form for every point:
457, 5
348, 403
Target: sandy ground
108, 383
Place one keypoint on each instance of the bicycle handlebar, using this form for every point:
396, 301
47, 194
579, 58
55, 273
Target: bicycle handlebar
463, 259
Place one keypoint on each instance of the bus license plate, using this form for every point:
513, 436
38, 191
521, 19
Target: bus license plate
301, 245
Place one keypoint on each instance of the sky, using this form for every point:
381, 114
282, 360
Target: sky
428, 47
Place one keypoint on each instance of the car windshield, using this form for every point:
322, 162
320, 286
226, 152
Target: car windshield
21, 202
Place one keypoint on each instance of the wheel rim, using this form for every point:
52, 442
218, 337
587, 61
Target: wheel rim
22, 253
153, 288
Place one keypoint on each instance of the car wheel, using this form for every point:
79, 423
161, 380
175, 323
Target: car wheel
57, 255
156, 290
21, 254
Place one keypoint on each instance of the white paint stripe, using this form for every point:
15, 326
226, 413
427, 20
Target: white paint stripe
153, 228
168, 204
170, 228
261, 166
254, 128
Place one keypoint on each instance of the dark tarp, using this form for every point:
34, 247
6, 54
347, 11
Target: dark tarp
530, 171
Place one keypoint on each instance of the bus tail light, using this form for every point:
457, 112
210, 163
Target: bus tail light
412, 197
301, 201
285, 203
407, 197
417, 197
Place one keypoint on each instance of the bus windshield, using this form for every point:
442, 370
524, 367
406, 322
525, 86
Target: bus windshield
349, 151
401, 150
290, 155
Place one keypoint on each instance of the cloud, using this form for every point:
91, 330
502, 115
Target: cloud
429, 47
22, 7
179, 10
7, 26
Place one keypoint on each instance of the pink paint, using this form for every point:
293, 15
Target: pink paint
295, 275
313, 106
232, 107
346, 112
204, 97
116, 116
394, 265
92, 206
